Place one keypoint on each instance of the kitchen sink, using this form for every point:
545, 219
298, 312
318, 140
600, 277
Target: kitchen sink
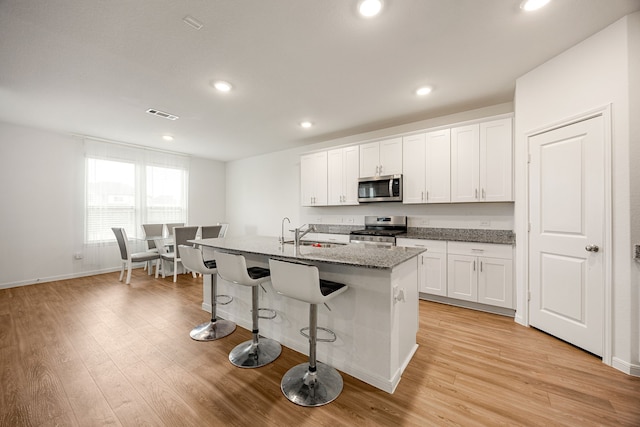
316, 244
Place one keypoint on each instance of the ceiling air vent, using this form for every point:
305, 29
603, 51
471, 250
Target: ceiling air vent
162, 114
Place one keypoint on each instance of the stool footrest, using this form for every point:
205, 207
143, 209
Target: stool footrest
230, 299
269, 310
305, 333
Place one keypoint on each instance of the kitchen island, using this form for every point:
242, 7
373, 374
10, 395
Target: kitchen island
375, 321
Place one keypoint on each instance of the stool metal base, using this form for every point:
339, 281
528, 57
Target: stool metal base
210, 331
311, 389
249, 355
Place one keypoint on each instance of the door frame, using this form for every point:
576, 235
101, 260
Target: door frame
605, 112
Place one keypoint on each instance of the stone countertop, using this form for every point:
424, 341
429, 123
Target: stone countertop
461, 235
347, 254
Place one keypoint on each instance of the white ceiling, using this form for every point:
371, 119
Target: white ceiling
93, 67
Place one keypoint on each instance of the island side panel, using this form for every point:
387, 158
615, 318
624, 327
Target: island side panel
376, 335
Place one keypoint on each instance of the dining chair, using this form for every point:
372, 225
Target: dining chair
151, 231
181, 236
127, 257
170, 228
223, 230
210, 231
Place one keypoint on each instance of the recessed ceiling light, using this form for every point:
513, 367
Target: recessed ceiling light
167, 137
369, 8
425, 90
306, 124
222, 86
529, 5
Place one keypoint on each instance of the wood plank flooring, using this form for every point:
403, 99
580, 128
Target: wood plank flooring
94, 352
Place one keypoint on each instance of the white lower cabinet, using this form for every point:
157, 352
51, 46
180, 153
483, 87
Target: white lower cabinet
476, 272
480, 272
432, 264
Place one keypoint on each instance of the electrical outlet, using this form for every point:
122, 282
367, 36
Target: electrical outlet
78, 255
485, 223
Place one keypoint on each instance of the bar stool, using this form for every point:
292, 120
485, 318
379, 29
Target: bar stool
216, 328
313, 383
258, 351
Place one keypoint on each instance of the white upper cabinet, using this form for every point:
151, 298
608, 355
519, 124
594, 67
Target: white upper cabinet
313, 179
381, 158
438, 166
481, 162
414, 170
343, 176
465, 163
496, 160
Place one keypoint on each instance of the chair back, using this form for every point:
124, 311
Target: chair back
223, 230
211, 231
233, 268
160, 244
192, 259
297, 281
152, 230
123, 243
182, 235
170, 227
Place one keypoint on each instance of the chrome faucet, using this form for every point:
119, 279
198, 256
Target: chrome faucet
282, 229
298, 235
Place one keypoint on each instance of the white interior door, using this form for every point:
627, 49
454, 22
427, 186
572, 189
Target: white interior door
567, 217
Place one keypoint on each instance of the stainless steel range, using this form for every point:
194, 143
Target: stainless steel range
380, 230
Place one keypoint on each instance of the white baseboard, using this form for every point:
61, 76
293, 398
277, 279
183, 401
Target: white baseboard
626, 367
54, 278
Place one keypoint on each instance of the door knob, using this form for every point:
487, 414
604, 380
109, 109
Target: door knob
591, 248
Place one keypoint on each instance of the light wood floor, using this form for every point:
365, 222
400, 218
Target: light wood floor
94, 351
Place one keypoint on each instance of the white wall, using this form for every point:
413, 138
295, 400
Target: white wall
589, 76
42, 212
262, 190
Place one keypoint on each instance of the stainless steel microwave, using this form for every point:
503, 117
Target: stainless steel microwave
380, 189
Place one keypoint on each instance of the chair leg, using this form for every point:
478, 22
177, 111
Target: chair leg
258, 351
129, 272
175, 269
121, 271
313, 383
216, 328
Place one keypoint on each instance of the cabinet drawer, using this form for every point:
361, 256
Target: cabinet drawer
491, 250
439, 246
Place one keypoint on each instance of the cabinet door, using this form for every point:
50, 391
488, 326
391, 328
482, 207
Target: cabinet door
390, 156
369, 159
321, 179
462, 280
495, 282
313, 179
413, 180
438, 166
433, 277
465, 175
307, 180
335, 176
350, 175
496, 163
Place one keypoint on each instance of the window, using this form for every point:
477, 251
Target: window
129, 193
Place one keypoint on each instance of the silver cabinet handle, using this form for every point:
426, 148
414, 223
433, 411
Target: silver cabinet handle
422, 195
476, 193
592, 248
484, 194
474, 266
427, 196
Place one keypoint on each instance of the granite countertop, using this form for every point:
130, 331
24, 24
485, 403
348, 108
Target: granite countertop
506, 237
462, 235
344, 254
